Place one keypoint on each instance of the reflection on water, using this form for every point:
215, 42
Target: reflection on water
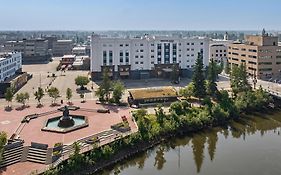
248, 146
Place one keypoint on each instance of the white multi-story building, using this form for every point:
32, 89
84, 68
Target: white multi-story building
147, 56
10, 63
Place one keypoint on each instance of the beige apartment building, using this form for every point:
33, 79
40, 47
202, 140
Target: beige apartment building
260, 53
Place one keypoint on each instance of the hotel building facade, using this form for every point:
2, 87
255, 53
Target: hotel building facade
260, 54
147, 56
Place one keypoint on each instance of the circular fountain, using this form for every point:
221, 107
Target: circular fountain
65, 123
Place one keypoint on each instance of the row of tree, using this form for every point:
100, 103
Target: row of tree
53, 92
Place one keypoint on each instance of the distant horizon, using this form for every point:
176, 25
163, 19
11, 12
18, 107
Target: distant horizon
119, 15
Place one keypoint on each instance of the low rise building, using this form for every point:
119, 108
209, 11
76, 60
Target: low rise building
81, 63
33, 50
10, 63
79, 51
148, 96
62, 47
260, 54
11, 74
147, 56
68, 60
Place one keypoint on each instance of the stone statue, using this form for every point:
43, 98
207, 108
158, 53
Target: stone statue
66, 112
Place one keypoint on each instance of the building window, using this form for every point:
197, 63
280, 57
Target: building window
201, 43
104, 57
110, 57
121, 45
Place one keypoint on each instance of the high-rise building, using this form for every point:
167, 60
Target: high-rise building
260, 54
147, 56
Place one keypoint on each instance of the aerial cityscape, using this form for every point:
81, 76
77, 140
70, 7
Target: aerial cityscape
140, 87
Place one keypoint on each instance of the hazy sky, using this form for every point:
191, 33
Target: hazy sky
140, 14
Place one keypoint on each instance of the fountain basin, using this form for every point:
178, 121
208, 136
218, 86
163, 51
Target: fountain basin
55, 124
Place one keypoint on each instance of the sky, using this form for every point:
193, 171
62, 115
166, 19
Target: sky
95, 15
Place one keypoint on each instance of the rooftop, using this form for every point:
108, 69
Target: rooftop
145, 93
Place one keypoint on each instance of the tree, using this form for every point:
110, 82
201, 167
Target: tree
118, 91
176, 107
54, 93
104, 89
198, 78
212, 77
22, 98
239, 79
3, 141
81, 81
227, 68
82, 96
187, 91
68, 94
175, 74
39, 95
9, 95
160, 115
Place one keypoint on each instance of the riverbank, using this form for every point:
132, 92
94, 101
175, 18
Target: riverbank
127, 153
154, 129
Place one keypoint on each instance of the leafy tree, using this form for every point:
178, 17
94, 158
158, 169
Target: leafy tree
82, 96
54, 93
9, 95
227, 68
139, 114
118, 91
175, 73
22, 98
68, 94
103, 91
81, 81
176, 107
107, 151
160, 115
39, 94
106, 83
187, 91
198, 78
212, 77
238, 80
221, 66
3, 141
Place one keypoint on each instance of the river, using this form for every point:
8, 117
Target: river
250, 146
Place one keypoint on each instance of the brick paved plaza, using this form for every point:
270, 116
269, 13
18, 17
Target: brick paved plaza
98, 122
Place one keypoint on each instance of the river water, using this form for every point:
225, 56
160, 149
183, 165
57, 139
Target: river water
250, 146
